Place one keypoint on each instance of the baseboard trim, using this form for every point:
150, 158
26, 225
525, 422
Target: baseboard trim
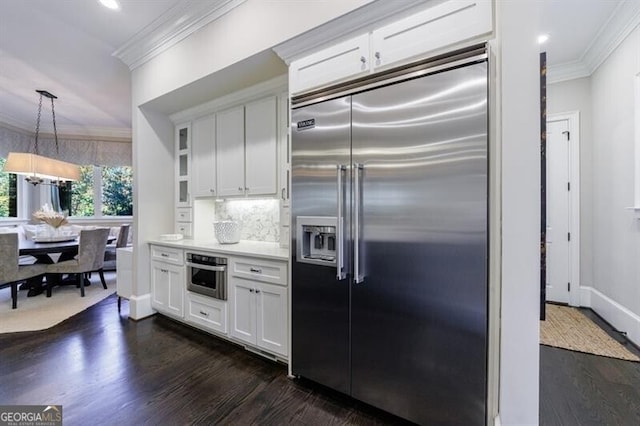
611, 311
140, 307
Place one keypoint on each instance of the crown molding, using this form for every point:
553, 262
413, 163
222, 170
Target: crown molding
266, 88
567, 71
68, 131
173, 26
358, 21
624, 19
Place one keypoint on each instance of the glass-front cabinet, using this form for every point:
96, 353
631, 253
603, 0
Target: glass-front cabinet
183, 165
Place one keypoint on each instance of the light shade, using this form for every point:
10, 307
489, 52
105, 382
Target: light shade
33, 165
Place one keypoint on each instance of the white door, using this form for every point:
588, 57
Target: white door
558, 212
272, 318
243, 310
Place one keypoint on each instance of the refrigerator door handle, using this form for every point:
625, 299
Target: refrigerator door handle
340, 272
357, 265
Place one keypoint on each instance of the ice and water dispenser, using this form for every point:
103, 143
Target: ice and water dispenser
316, 240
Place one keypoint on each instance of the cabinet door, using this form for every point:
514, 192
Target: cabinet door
175, 303
261, 148
159, 286
272, 318
230, 152
339, 62
243, 310
203, 157
167, 288
183, 164
437, 27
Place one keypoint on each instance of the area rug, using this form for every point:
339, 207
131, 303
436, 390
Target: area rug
41, 312
568, 328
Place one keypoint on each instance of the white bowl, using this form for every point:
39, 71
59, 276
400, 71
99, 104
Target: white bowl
227, 231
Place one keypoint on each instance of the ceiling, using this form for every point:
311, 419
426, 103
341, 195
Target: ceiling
67, 46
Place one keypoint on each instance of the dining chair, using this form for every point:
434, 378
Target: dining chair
110, 252
90, 258
11, 273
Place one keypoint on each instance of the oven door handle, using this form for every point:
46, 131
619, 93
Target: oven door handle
207, 267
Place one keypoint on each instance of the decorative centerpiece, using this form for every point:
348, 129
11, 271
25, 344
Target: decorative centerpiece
53, 219
227, 231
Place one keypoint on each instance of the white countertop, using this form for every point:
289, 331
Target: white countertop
243, 248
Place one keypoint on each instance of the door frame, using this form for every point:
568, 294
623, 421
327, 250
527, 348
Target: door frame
573, 120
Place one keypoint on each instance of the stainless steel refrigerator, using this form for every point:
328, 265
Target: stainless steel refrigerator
389, 239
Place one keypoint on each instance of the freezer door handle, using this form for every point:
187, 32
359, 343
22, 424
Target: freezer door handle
358, 275
340, 272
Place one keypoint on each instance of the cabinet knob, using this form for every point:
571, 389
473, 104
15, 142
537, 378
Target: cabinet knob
251, 290
240, 188
257, 291
246, 188
213, 191
377, 55
363, 59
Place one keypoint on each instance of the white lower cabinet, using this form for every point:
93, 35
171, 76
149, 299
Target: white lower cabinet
167, 288
258, 313
207, 312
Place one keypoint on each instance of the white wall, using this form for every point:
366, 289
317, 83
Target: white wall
616, 231
568, 96
519, 129
253, 27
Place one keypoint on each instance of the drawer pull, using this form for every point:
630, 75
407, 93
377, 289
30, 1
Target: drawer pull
256, 270
206, 314
164, 255
166, 271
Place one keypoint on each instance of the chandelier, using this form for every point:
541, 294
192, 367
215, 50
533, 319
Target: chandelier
36, 167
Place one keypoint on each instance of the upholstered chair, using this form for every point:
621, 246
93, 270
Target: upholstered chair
90, 258
110, 253
10, 271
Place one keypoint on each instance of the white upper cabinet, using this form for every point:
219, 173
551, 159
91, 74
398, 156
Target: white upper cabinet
230, 152
203, 156
183, 164
347, 59
261, 147
437, 27
424, 32
247, 149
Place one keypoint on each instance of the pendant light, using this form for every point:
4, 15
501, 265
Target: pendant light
37, 167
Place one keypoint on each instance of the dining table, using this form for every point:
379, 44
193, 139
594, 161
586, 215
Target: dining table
48, 252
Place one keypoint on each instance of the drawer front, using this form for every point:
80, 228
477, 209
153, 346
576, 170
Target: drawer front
260, 270
206, 312
167, 254
184, 228
184, 214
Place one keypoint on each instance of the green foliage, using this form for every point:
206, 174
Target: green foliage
4, 191
117, 191
82, 194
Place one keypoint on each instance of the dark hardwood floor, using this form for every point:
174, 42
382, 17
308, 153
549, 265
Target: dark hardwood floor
105, 369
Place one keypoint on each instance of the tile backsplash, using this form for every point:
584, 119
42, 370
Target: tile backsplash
259, 219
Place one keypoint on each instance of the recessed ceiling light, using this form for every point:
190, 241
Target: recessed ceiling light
543, 38
111, 4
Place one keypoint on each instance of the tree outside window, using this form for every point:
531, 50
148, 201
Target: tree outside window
8, 192
103, 189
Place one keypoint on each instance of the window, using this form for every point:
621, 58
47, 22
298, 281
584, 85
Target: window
103, 189
8, 193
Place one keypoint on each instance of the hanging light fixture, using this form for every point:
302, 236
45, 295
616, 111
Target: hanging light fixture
37, 167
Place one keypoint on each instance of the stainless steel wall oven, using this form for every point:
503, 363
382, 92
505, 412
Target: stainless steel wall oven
207, 275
